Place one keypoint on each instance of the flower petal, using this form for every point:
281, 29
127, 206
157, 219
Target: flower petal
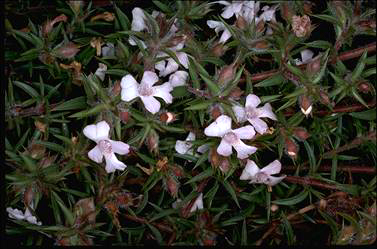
225, 36
163, 91
266, 112
228, 12
151, 104
178, 78
252, 100
306, 55
171, 67
112, 163
219, 127
203, 148
160, 66
191, 136
15, 213
272, 168
129, 88
239, 111
259, 125
198, 204
182, 58
90, 131
101, 71
273, 180
224, 149
119, 147
102, 130
138, 23
149, 78
246, 132
218, 26
243, 150
249, 171
108, 50
182, 147
95, 154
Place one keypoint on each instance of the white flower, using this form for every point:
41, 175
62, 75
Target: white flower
253, 114
255, 175
105, 147
19, 215
178, 78
231, 138
138, 20
168, 66
108, 50
198, 204
101, 71
246, 9
268, 14
185, 147
146, 91
219, 26
306, 57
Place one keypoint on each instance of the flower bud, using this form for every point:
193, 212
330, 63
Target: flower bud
301, 133
177, 171
74, 140
47, 27
167, 117
216, 111
124, 116
28, 196
241, 22
236, 93
116, 88
324, 97
274, 208
260, 26
68, 51
226, 74
291, 148
46, 58
301, 25
47, 161
37, 151
314, 66
224, 165
364, 87
107, 16
152, 142
172, 186
322, 204
305, 104
218, 50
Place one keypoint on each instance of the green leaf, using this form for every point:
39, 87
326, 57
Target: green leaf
319, 44
28, 163
288, 231
202, 105
28, 89
123, 19
212, 86
244, 234
162, 6
231, 191
312, 161
205, 174
67, 213
156, 233
328, 18
52, 146
90, 112
360, 67
287, 104
358, 97
292, 200
276, 79
365, 115
72, 104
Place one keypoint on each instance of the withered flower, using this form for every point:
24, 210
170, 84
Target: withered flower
107, 16
47, 27
301, 25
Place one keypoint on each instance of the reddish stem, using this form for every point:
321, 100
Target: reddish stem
347, 168
310, 181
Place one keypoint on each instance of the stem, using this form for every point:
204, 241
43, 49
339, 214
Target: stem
310, 181
144, 221
346, 168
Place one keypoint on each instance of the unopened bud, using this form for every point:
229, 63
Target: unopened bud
46, 58
364, 87
314, 66
216, 112
176, 40
305, 104
324, 97
301, 25
224, 165
124, 116
177, 171
107, 16
291, 148
68, 51
236, 93
226, 74
47, 27
28, 196
274, 208
218, 50
241, 22
152, 142
40, 126
260, 26
37, 151
74, 140
301, 133
46, 161
116, 88
167, 117
172, 186
322, 204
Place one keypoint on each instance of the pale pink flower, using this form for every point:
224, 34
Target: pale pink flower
231, 138
101, 71
19, 215
306, 57
105, 147
246, 9
255, 175
146, 91
185, 147
198, 204
219, 26
168, 66
178, 78
253, 114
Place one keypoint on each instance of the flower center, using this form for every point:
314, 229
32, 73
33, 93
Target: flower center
230, 137
105, 146
145, 90
251, 112
261, 177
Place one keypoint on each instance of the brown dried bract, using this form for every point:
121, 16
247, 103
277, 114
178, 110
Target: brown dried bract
301, 25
